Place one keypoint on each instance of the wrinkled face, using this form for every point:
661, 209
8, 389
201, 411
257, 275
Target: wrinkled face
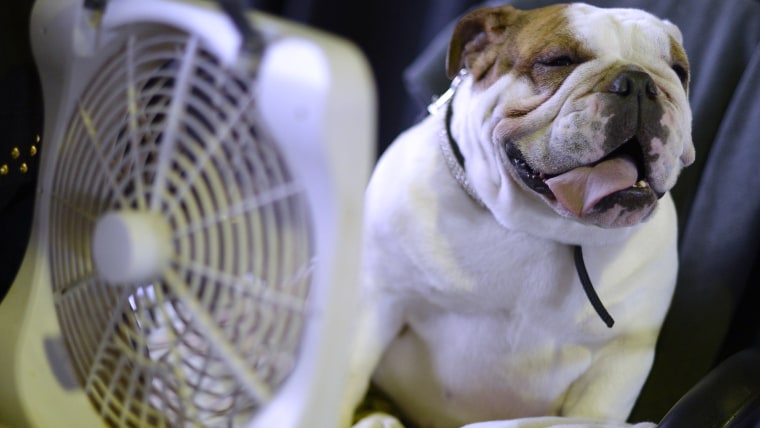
585, 107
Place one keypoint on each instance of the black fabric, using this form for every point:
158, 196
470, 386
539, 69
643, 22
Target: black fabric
20, 123
729, 397
717, 197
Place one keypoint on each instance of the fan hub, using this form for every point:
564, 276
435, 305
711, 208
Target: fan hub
131, 246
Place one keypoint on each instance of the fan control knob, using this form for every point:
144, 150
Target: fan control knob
131, 246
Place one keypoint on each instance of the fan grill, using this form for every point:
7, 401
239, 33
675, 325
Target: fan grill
164, 128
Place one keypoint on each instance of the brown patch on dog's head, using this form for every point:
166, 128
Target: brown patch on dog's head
491, 42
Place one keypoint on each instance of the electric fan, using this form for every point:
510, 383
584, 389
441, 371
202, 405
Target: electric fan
195, 245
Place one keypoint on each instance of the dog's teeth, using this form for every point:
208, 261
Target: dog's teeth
641, 184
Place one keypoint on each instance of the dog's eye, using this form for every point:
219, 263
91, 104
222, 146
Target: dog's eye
557, 61
681, 72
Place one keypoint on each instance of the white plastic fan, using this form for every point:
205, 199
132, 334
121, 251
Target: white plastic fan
196, 236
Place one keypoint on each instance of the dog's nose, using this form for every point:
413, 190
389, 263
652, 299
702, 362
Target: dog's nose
633, 83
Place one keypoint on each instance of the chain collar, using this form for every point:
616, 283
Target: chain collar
449, 147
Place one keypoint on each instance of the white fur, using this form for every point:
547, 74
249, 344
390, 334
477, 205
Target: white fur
470, 315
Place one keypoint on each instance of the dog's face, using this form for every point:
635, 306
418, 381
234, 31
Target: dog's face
587, 107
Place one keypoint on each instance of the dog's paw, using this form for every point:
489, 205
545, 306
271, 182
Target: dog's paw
378, 420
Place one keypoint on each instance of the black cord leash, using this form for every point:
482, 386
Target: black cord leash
588, 287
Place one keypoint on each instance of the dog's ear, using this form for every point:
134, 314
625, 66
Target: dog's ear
473, 33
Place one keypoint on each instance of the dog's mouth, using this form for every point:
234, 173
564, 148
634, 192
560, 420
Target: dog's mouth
619, 178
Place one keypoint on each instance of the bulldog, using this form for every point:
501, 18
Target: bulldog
520, 250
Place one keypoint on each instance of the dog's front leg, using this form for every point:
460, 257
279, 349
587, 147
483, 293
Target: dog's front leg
608, 390
378, 420
380, 320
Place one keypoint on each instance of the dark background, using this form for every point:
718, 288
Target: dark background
390, 33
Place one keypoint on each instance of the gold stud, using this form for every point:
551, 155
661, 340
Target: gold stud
23, 168
15, 153
4, 169
33, 151
37, 138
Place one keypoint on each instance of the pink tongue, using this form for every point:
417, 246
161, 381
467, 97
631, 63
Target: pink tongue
580, 189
